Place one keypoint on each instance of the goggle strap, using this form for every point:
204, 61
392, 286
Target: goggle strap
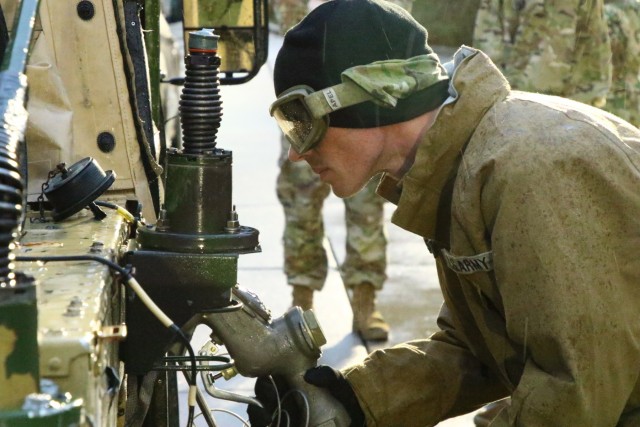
334, 98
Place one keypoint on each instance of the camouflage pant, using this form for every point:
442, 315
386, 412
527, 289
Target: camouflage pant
623, 19
302, 195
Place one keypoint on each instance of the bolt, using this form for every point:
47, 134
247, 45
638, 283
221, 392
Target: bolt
55, 363
163, 222
314, 328
96, 247
233, 225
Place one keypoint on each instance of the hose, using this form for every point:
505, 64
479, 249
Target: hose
13, 116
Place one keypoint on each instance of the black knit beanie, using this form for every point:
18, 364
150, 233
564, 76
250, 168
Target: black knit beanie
340, 34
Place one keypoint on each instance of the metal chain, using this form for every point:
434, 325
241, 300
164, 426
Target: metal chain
60, 168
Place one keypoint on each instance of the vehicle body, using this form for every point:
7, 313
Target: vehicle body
87, 74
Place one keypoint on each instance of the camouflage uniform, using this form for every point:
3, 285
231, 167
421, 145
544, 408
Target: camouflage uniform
288, 13
623, 18
556, 47
302, 195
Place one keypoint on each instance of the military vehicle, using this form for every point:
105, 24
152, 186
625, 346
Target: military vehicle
118, 241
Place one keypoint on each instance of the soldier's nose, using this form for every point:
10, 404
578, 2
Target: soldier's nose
294, 156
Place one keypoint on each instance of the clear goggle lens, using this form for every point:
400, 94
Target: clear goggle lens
301, 129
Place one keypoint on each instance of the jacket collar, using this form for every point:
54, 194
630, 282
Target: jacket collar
476, 85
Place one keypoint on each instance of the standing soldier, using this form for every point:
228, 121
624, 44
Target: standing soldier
302, 195
554, 47
623, 18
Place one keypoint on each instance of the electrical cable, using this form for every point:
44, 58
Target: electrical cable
244, 422
279, 408
146, 300
191, 412
176, 116
287, 418
307, 408
128, 216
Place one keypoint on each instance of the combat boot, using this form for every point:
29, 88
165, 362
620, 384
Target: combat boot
367, 321
302, 297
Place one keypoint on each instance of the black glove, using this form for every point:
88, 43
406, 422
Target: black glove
333, 380
268, 395
321, 376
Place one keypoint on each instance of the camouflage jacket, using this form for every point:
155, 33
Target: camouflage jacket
558, 47
533, 204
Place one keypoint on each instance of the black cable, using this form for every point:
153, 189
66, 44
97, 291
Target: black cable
127, 274
191, 412
106, 204
192, 355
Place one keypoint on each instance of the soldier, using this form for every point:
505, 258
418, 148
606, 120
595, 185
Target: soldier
553, 47
528, 203
302, 195
558, 48
623, 18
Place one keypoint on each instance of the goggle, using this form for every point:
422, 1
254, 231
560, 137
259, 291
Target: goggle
302, 113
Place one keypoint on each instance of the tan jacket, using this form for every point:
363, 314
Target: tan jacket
537, 199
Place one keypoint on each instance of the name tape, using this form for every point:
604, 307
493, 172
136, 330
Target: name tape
332, 99
469, 264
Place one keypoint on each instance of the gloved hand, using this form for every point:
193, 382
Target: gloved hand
320, 376
268, 393
339, 387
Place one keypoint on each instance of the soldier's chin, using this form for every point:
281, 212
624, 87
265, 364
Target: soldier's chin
343, 191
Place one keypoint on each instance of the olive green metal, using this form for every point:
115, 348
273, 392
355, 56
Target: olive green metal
209, 276
19, 343
181, 284
15, 60
198, 193
244, 240
152, 43
198, 215
63, 415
